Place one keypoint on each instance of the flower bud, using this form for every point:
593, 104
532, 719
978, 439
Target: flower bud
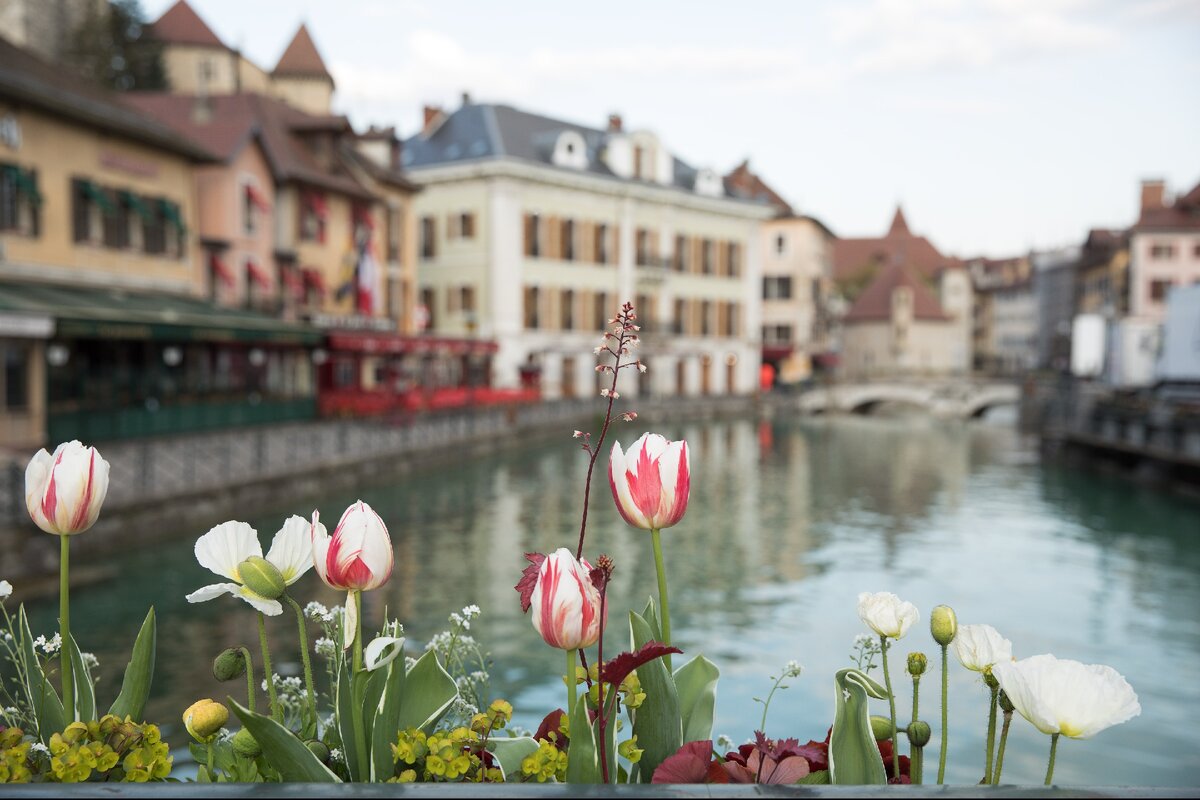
943, 624
230, 664
919, 733
204, 718
1006, 705
244, 744
881, 727
917, 663
262, 577
318, 749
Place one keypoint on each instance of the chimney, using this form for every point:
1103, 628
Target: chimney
1153, 195
466, 98
614, 123
433, 115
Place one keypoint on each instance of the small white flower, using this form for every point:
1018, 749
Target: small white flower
90, 660
38, 747
980, 647
724, 742
604, 392
325, 647
793, 669
49, 647
316, 612
335, 755
5, 589
886, 614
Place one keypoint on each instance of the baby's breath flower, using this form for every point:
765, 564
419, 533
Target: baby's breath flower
335, 755
316, 612
325, 647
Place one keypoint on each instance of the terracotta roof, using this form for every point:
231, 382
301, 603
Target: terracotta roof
741, 182
180, 24
875, 303
28, 79
236, 118
899, 224
853, 257
1183, 214
301, 58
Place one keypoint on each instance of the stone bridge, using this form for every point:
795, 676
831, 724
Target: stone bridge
942, 398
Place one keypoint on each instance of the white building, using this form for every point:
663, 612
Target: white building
533, 231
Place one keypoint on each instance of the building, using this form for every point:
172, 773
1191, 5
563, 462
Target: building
533, 231
45, 27
1164, 249
1005, 322
910, 307
1054, 288
103, 324
197, 62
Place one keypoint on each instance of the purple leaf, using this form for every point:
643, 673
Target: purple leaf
529, 579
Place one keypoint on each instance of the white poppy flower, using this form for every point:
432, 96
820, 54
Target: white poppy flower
886, 614
225, 547
1063, 696
5, 590
980, 647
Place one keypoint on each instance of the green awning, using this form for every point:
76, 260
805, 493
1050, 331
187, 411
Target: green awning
100, 313
26, 183
170, 212
94, 193
138, 206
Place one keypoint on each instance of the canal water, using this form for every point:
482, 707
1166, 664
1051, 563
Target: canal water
788, 522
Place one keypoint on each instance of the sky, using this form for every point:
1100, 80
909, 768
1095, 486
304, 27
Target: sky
999, 125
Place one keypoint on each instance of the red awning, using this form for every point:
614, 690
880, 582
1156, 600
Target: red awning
312, 277
258, 198
258, 274
222, 271
294, 282
397, 344
363, 217
317, 203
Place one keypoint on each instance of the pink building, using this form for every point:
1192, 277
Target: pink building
1164, 250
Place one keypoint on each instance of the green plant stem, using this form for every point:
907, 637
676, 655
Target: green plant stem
991, 734
1003, 742
358, 645
209, 746
276, 712
64, 626
914, 752
917, 766
1050, 766
305, 658
571, 688
762, 726
945, 721
249, 678
359, 687
887, 679
662, 593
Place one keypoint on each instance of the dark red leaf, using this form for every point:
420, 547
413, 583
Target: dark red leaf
552, 723
618, 668
688, 765
816, 754
718, 773
528, 581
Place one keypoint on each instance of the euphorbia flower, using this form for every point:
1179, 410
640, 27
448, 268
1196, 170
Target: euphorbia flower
886, 614
981, 647
359, 554
1060, 696
651, 482
64, 491
223, 549
566, 606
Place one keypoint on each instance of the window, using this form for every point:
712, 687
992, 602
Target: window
643, 247
601, 310
468, 299
568, 310
428, 237
777, 334
638, 153
154, 231
780, 244
533, 299
777, 287
735, 319
248, 211
428, 303
392, 228
16, 377
568, 240
680, 263
679, 316
705, 318
116, 221
644, 308
1159, 289
20, 200
735, 259
313, 215
1162, 251
601, 243
1196, 250
533, 235
460, 225
706, 257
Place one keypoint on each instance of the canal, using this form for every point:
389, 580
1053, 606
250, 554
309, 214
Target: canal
788, 522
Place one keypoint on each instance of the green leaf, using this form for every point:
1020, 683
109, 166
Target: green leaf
47, 707
135, 687
281, 748
818, 778
658, 724
853, 754
428, 692
510, 753
85, 688
583, 764
696, 684
387, 721
345, 720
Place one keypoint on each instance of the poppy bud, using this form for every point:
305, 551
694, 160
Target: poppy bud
262, 577
943, 624
881, 727
204, 718
230, 664
917, 663
318, 749
919, 733
244, 744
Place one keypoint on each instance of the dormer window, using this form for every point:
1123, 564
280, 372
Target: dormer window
708, 183
570, 150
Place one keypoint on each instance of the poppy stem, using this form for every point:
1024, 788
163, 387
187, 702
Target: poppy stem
249, 677
1050, 766
991, 735
1003, 742
64, 626
305, 659
664, 608
945, 720
887, 679
276, 712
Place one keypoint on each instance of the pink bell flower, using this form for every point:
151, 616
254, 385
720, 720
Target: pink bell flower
565, 603
651, 482
64, 491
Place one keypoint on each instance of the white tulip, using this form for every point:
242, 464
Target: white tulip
223, 549
64, 491
1067, 697
980, 647
886, 614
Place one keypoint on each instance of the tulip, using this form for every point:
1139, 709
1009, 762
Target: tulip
566, 609
890, 617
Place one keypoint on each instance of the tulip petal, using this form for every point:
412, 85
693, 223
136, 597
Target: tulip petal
382, 651
349, 621
226, 546
212, 591
37, 477
292, 549
621, 466
320, 546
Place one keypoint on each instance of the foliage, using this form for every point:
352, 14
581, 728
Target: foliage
114, 47
109, 749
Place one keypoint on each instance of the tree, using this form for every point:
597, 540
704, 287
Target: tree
114, 47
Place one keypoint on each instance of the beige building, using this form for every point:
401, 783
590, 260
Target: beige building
533, 231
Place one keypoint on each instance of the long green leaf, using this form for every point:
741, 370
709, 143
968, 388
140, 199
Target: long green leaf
853, 754
696, 684
283, 751
345, 720
583, 764
387, 721
371, 692
47, 707
510, 752
658, 724
139, 674
85, 689
428, 692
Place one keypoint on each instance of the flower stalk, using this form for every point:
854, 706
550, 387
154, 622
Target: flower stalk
64, 625
663, 605
945, 718
276, 711
572, 693
887, 678
1008, 712
991, 731
305, 658
1050, 765
249, 678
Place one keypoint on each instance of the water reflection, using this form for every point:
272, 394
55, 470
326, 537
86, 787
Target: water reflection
788, 521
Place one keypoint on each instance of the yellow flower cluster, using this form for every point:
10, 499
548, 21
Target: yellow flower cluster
450, 755
545, 763
14, 756
632, 695
100, 746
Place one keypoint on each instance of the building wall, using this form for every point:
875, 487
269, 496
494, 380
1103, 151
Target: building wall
61, 151
192, 69
313, 95
871, 350
1012, 339
1180, 268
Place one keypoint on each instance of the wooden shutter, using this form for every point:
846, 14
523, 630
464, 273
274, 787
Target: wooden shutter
529, 234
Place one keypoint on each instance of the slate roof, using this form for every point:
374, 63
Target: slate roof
28, 79
1183, 214
180, 24
851, 257
480, 131
875, 303
301, 58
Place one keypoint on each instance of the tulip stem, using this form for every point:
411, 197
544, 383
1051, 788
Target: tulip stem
356, 598
991, 735
1003, 742
276, 713
1050, 766
305, 659
887, 679
64, 623
662, 593
571, 688
945, 720
249, 678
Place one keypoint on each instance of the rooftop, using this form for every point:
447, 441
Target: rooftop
302, 59
875, 303
180, 24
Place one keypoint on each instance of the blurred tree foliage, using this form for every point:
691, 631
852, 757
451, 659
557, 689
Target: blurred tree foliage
114, 47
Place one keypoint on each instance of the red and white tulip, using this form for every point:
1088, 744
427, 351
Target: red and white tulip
64, 491
651, 482
358, 557
565, 603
